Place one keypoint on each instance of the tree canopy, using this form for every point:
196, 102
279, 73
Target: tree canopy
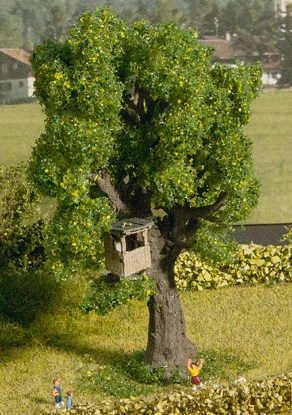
139, 123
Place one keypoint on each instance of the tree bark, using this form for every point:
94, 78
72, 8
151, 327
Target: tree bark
168, 344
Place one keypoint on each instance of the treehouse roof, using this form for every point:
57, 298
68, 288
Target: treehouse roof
127, 226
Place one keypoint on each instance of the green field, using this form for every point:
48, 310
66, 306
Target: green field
271, 131
20, 126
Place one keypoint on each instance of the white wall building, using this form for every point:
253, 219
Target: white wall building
280, 5
16, 76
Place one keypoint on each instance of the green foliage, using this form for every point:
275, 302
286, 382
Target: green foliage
253, 264
217, 363
77, 84
180, 144
134, 367
25, 289
21, 243
128, 376
105, 296
23, 296
212, 243
110, 382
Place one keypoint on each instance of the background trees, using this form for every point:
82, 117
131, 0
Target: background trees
284, 45
34, 20
10, 34
253, 26
139, 122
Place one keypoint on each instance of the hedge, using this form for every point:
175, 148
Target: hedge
269, 396
254, 264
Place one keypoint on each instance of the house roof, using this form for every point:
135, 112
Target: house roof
18, 54
222, 48
226, 51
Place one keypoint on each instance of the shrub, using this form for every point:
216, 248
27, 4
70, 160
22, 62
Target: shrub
24, 295
105, 295
21, 242
134, 367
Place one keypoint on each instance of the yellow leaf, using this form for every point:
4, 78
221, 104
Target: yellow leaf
275, 259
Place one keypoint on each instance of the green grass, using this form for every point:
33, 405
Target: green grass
270, 130
20, 126
235, 329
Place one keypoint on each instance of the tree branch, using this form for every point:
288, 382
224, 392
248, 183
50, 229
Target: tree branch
108, 189
206, 212
181, 222
140, 107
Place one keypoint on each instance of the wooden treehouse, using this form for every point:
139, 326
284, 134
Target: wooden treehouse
127, 250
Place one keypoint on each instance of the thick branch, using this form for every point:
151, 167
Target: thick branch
140, 107
108, 189
181, 222
206, 212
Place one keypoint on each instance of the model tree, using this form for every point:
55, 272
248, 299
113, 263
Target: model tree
139, 122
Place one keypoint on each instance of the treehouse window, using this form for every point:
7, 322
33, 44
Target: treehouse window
117, 245
134, 241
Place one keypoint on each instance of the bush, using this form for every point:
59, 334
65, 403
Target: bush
23, 248
24, 295
134, 367
105, 295
21, 242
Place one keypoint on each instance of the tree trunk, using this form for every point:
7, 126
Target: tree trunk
168, 344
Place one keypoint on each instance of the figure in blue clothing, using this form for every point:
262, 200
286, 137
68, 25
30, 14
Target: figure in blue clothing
57, 394
69, 400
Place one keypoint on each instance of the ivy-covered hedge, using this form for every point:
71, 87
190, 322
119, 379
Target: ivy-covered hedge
254, 264
269, 396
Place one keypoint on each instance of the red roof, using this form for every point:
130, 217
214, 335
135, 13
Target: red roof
18, 54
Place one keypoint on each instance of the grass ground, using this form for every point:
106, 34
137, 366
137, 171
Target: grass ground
236, 328
20, 126
270, 130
